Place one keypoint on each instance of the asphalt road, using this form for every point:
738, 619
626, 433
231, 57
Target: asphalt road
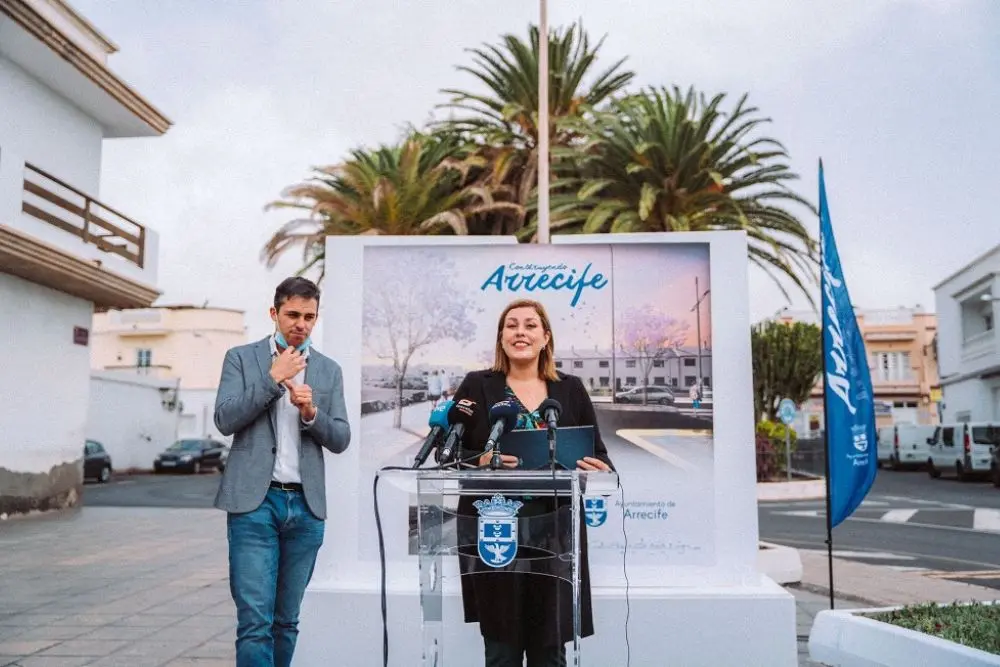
941, 528
178, 490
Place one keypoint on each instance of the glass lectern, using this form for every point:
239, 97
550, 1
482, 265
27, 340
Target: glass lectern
496, 523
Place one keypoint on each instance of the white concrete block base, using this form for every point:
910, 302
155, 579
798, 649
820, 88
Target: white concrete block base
803, 489
780, 563
841, 638
747, 626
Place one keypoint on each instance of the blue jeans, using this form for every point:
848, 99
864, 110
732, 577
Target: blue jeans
272, 551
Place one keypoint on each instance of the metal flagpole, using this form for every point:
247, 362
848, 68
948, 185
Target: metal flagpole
826, 424
543, 123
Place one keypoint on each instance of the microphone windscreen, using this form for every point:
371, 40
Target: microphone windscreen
462, 412
503, 410
550, 403
439, 415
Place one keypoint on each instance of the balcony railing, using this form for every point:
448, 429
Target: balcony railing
155, 370
61, 205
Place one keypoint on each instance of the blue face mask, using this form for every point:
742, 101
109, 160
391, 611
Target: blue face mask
281, 342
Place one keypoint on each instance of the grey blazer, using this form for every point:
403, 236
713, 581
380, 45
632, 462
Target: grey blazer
243, 409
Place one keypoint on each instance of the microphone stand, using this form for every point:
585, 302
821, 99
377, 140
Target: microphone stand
495, 461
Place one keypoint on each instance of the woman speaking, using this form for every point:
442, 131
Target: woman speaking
525, 615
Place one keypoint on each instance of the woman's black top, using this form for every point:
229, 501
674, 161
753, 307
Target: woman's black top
519, 608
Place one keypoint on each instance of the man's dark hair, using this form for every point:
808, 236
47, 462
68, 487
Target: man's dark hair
295, 286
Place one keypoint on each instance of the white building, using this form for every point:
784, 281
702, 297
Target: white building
180, 345
968, 347
63, 252
675, 368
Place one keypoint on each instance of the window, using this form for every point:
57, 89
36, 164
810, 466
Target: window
673, 382
658, 363
977, 318
577, 364
986, 435
605, 381
892, 366
558, 364
659, 381
690, 361
707, 382
143, 358
630, 380
690, 380
948, 436
603, 364
630, 363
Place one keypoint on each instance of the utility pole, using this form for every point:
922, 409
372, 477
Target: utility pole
543, 123
698, 298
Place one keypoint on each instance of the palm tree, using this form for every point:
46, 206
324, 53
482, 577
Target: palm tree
503, 122
415, 187
664, 161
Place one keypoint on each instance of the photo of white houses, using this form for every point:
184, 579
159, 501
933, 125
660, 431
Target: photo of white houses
677, 369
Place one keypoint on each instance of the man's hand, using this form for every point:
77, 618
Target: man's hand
301, 396
287, 365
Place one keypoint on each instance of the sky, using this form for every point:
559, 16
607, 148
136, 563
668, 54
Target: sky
898, 98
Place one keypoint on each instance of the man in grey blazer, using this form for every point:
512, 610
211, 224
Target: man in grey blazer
283, 403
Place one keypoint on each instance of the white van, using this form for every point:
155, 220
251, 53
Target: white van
884, 438
910, 445
965, 448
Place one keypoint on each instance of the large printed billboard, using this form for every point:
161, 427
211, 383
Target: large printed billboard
632, 321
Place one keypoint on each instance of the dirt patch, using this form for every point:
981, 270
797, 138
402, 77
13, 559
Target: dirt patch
22, 492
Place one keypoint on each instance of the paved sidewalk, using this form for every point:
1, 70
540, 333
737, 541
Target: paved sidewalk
116, 587
141, 587
807, 605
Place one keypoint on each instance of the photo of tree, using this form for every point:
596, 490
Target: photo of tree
632, 321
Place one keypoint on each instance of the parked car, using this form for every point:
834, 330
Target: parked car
96, 462
965, 448
654, 394
191, 455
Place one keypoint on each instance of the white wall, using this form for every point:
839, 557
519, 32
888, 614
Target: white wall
974, 397
127, 416
198, 418
46, 378
954, 357
48, 131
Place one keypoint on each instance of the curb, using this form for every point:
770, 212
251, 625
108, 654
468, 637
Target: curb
809, 489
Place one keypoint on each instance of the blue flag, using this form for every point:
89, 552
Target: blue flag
847, 385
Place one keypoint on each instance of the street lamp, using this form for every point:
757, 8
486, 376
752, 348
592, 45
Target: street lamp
699, 297
988, 298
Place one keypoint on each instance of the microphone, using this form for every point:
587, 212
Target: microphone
500, 414
459, 416
550, 409
439, 424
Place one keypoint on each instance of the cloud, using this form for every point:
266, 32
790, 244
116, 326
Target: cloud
895, 95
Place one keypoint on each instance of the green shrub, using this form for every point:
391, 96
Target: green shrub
975, 625
771, 457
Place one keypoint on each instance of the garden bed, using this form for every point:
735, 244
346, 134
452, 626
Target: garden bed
961, 634
975, 625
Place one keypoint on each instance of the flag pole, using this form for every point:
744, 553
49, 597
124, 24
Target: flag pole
826, 417
543, 122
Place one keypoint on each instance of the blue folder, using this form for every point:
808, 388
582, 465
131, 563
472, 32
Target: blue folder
532, 446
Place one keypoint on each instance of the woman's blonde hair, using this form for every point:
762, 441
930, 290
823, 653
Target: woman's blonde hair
546, 358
